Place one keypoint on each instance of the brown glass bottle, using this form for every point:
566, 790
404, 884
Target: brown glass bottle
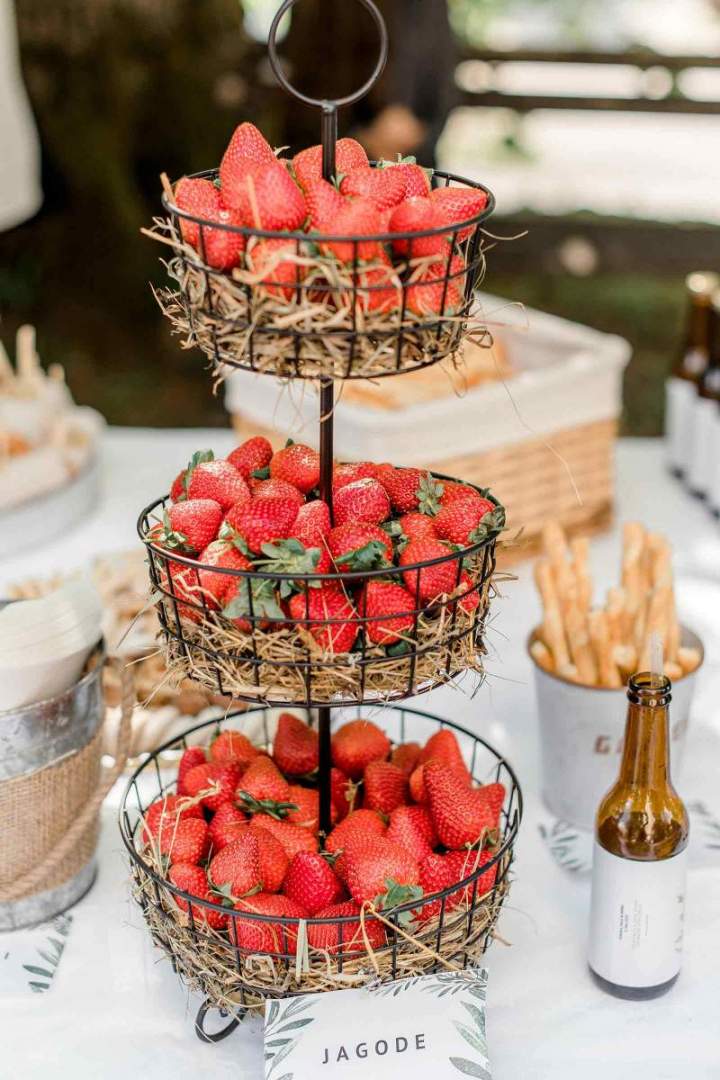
681, 387
639, 860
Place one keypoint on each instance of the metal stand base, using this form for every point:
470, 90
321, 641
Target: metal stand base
216, 1036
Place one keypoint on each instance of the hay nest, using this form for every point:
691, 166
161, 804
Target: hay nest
288, 665
329, 326
233, 979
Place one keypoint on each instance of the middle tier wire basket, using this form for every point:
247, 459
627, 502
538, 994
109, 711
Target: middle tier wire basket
315, 638
318, 304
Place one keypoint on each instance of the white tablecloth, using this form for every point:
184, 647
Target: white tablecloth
116, 1009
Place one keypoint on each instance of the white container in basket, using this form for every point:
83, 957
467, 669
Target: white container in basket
564, 374
581, 737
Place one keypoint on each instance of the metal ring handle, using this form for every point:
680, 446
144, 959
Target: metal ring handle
323, 104
216, 1036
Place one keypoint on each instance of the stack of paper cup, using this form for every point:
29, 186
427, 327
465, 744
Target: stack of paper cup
45, 643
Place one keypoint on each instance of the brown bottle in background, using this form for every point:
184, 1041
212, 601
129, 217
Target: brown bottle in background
705, 412
639, 861
681, 387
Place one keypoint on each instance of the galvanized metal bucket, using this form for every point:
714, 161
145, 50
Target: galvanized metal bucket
581, 736
52, 784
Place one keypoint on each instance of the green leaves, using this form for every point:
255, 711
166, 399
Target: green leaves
395, 896
290, 557
261, 474
277, 810
429, 494
491, 523
370, 556
173, 540
255, 598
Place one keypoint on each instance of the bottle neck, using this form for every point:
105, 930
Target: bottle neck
646, 754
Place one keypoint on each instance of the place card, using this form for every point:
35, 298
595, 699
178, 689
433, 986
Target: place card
432, 1026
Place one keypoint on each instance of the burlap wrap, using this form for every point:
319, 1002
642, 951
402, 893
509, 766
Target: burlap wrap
49, 818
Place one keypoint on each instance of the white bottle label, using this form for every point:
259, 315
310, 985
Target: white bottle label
680, 395
703, 416
636, 918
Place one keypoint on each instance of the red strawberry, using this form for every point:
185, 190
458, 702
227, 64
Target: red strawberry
221, 248
293, 838
466, 862
197, 197
298, 465
417, 526
260, 936
312, 882
252, 603
417, 179
389, 610
469, 593
439, 579
457, 204
383, 187
274, 860
274, 488
277, 267
270, 199
228, 823
324, 203
264, 519
348, 471
193, 880
342, 793
233, 748
409, 489
186, 842
331, 618
251, 456
247, 150
437, 874
413, 216
356, 744
235, 870
219, 781
359, 217
461, 814
359, 825
405, 756
262, 780
362, 500
177, 491
312, 524
295, 747
214, 586
359, 546
437, 290
385, 787
217, 480
345, 937
378, 289
307, 801
412, 828
371, 870
194, 755
307, 165
459, 520
164, 813
193, 524
443, 746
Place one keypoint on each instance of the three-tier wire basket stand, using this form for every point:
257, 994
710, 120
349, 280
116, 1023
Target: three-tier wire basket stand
325, 687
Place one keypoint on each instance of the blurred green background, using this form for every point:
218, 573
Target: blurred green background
122, 90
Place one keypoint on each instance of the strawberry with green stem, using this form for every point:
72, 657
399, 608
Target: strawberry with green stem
290, 557
359, 546
217, 480
307, 164
297, 464
372, 872
312, 882
179, 489
265, 519
191, 525
361, 500
235, 870
466, 521
251, 456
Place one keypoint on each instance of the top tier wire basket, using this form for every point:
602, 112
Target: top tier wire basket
322, 302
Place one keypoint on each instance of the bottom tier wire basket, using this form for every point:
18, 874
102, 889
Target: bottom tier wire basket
445, 930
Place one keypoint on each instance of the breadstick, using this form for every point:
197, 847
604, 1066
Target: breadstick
542, 655
632, 575
580, 648
672, 643
580, 548
625, 656
614, 608
554, 542
656, 623
553, 629
673, 671
600, 637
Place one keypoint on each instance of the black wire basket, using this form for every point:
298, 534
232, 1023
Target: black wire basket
448, 929
309, 659
306, 314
